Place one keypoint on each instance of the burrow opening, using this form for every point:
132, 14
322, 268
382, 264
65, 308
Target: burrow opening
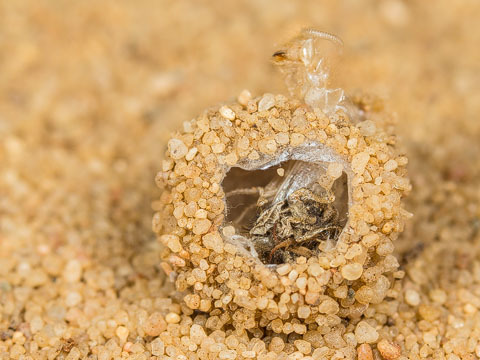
278, 218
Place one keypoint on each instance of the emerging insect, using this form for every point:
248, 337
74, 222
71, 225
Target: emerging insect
294, 213
294, 226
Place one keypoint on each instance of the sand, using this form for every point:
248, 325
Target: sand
89, 93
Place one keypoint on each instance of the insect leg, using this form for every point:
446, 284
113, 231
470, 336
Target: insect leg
301, 251
244, 212
252, 191
283, 244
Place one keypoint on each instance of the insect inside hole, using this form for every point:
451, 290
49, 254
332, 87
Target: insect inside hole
293, 215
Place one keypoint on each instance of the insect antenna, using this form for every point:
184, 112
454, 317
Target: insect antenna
323, 35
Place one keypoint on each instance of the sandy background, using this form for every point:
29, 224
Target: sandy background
89, 91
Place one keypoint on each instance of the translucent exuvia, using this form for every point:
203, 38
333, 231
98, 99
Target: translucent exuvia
307, 61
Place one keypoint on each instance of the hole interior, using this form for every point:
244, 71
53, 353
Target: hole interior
283, 226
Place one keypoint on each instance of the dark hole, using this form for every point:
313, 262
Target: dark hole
283, 227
